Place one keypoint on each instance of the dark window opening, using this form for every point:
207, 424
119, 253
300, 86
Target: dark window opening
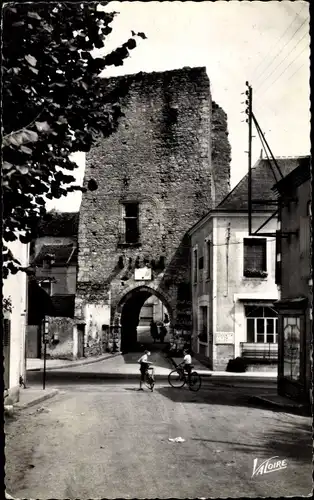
201, 262
195, 266
131, 222
208, 258
254, 257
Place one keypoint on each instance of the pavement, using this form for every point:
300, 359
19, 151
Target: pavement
111, 441
37, 364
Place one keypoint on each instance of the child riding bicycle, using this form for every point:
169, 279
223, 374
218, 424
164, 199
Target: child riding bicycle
145, 365
187, 363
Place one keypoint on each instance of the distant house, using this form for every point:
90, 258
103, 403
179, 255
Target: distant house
233, 277
53, 255
294, 277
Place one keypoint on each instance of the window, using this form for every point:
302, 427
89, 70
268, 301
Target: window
131, 222
201, 263
291, 331
208, 259
195, 266
255, 257
261, 325
203, 335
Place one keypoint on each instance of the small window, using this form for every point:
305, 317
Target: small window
131, 222
255, 257
208, 259
195, 277
201, 263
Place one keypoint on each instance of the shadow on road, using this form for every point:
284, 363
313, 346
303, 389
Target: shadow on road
292, 440
223, 396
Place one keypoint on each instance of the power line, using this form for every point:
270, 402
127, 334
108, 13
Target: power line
280, 50
298, 69
276, 68
274, 81
276, 44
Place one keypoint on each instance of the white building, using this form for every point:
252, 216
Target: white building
15, 289
233, 278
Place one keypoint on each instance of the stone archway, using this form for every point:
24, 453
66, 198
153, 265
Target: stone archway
128, 311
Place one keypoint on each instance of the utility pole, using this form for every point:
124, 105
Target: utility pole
248, 102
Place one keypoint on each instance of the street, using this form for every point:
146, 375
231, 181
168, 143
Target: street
108, 440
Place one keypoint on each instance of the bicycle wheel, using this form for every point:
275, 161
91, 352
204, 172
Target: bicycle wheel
195, 382
176, 378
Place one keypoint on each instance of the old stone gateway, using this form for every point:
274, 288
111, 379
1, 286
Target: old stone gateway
164, 167
127, 313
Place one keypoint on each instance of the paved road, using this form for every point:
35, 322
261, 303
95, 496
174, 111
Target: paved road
112, 442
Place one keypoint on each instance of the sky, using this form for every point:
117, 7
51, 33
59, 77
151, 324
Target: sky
264, 43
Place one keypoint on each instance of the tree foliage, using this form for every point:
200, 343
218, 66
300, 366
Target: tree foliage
54, 104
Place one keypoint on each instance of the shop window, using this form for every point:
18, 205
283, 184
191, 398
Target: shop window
254, 265
261, 325
291, 332
130, 215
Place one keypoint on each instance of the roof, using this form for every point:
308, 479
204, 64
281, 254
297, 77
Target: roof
298, 176
60, 254
263, 181
60, 224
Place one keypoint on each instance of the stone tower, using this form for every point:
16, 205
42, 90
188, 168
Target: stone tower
166, 165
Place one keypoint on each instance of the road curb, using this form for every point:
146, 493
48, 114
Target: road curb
86, 361
37, 400
276, 404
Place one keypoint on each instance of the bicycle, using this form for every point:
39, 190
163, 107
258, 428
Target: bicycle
149, 379
178, 377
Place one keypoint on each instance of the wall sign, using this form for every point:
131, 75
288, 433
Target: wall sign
143, 274
224, 338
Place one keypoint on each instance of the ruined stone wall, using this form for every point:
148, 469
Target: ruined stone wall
160, 157
221, 153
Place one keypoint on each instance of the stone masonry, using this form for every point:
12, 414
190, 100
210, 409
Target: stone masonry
170, 155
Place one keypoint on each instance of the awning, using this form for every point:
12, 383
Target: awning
295, 303
259, 302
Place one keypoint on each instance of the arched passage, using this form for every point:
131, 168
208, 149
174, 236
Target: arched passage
128, 310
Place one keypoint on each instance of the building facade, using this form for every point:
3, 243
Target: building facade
14, 323
294, 276
233, 278
164, 167
53, 256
